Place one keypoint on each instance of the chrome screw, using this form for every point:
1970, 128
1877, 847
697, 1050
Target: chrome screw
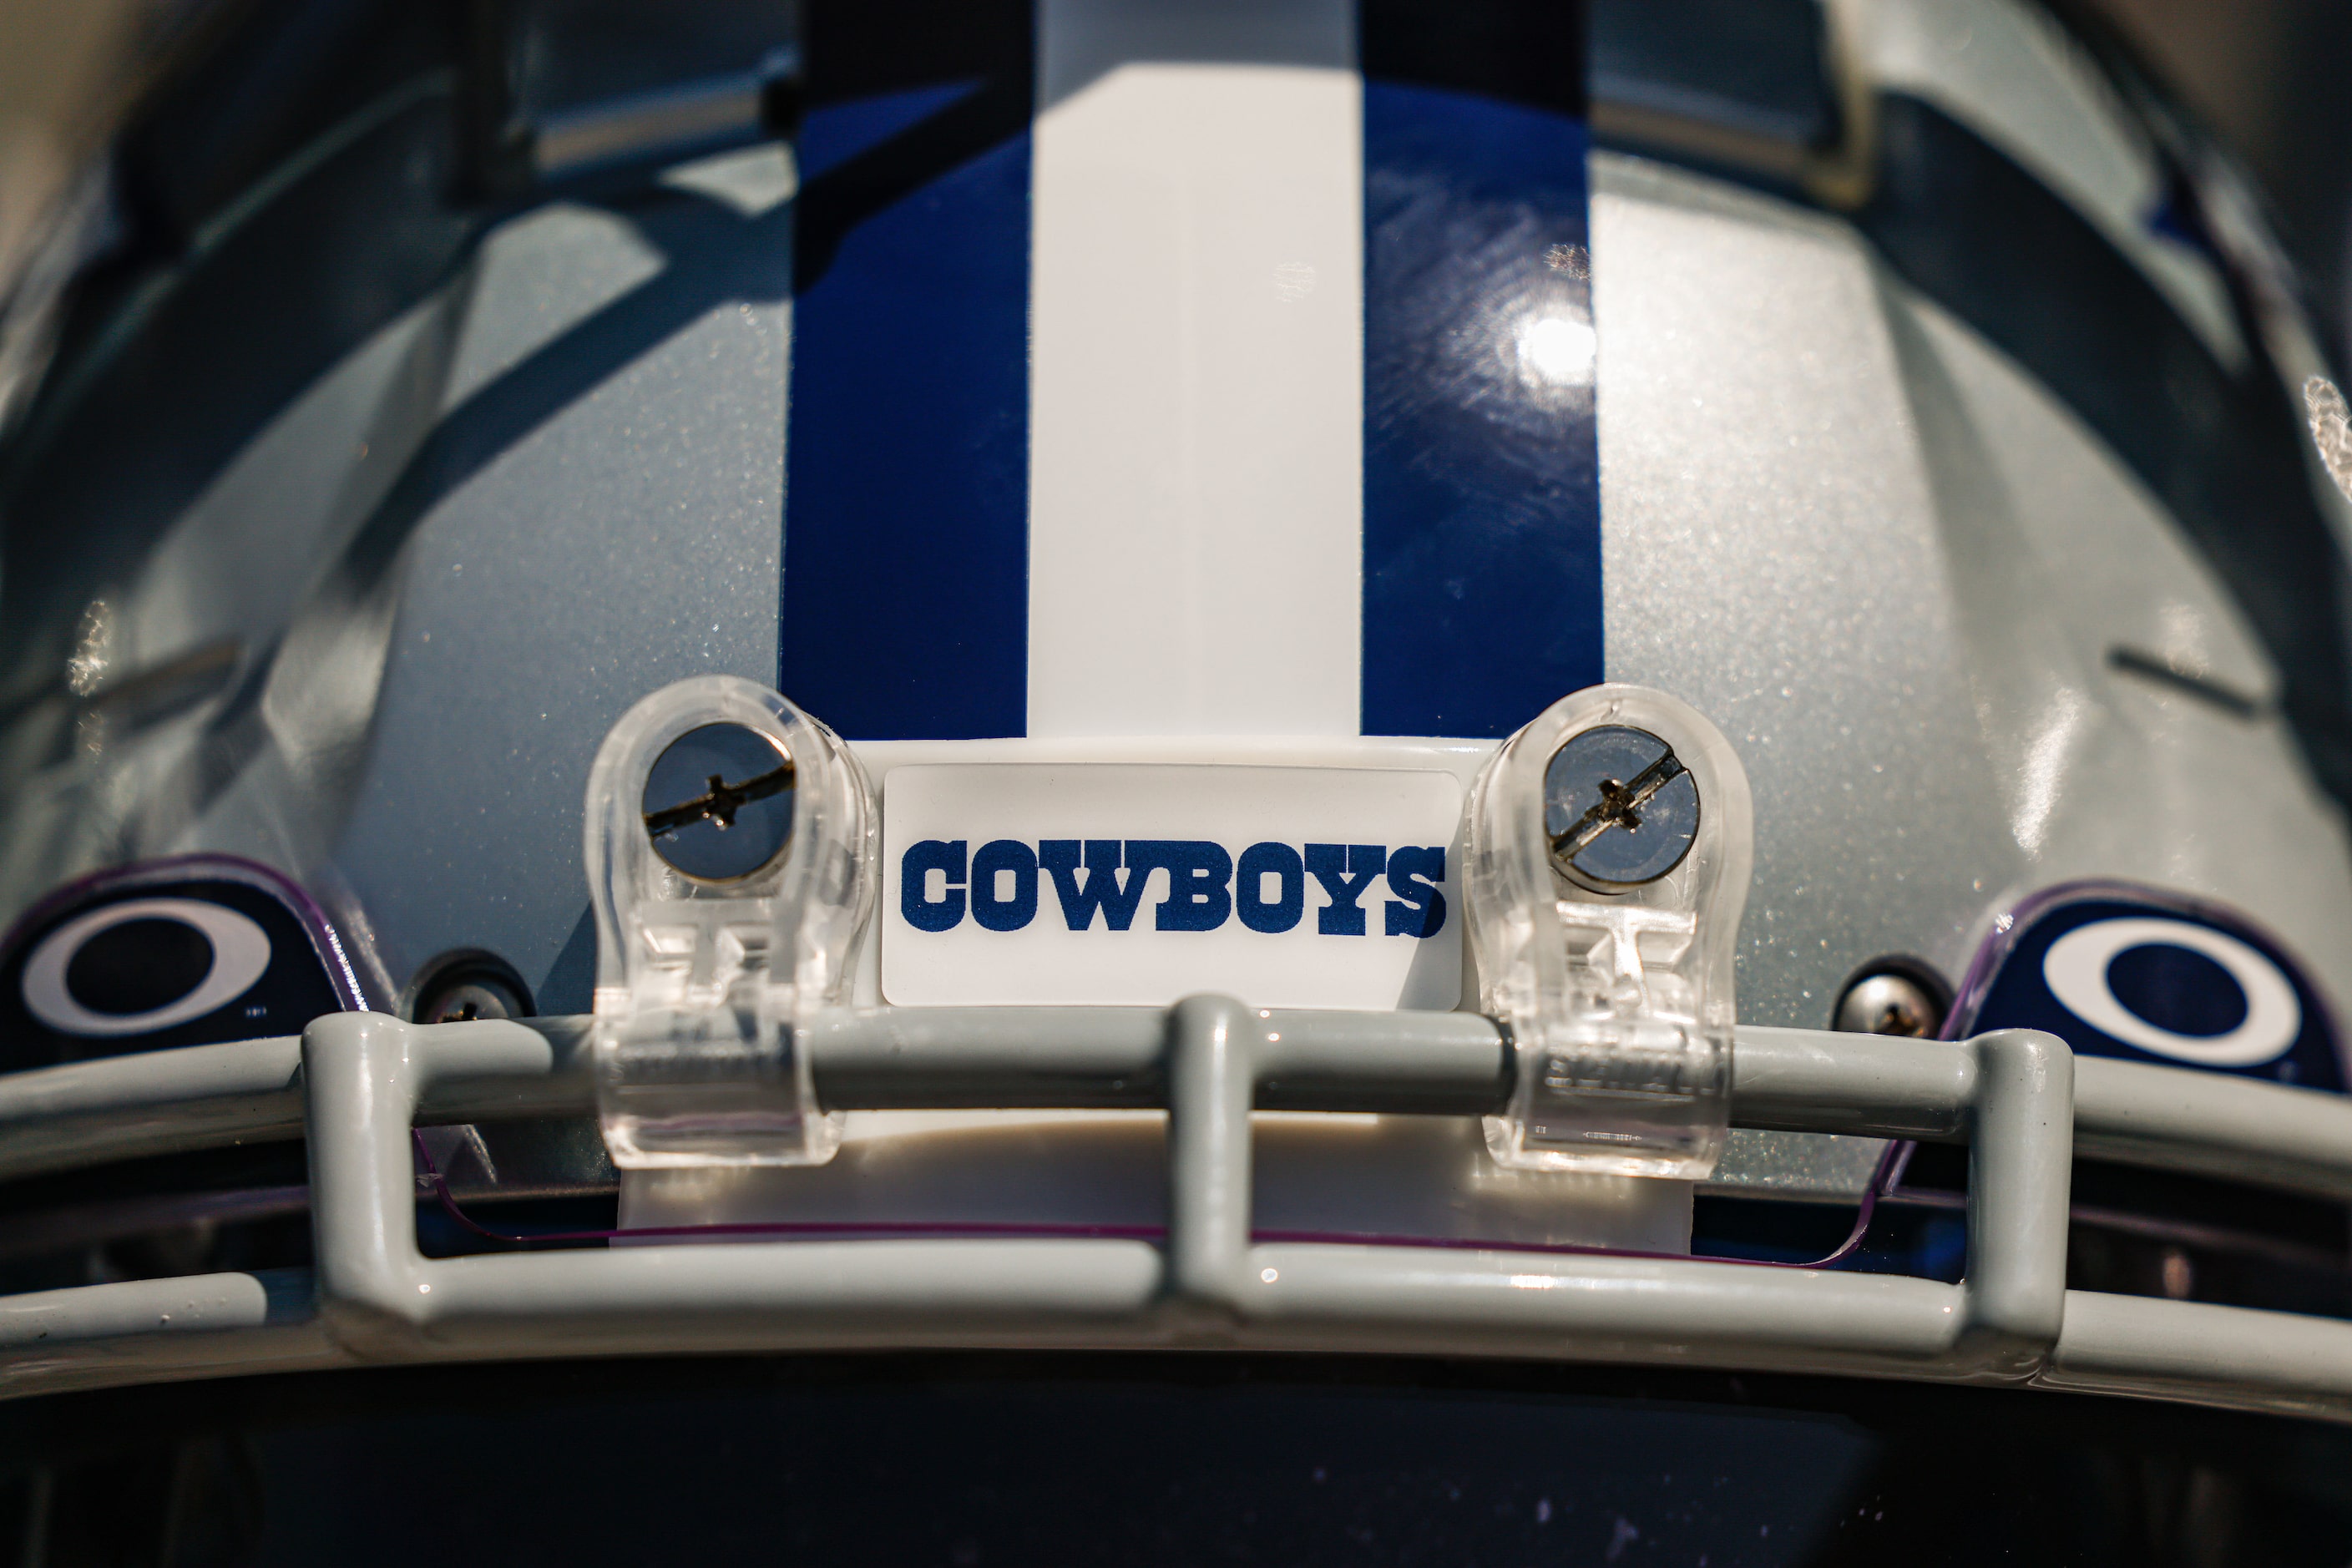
1889, 1003
465, 1002
1619, 810
718, 802
462, 986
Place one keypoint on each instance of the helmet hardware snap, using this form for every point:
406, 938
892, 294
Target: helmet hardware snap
1619, 808
718, 802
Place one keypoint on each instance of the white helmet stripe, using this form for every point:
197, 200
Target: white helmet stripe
1308, 441
1196, 493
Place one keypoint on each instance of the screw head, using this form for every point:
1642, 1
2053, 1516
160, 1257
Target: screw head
466, 1002
1619, 810
1889, 1003
718, 802
461, 987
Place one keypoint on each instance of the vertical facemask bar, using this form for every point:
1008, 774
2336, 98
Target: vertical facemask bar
1610, 844
723, 917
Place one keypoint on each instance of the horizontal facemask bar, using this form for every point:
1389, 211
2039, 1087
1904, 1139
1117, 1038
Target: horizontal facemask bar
359, 1082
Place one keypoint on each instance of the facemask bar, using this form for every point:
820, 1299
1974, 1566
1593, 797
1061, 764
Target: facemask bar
1608, 957
703, 980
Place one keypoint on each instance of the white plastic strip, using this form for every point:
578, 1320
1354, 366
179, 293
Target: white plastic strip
1197, 374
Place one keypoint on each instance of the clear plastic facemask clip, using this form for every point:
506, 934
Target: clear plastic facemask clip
1611, 846
730, 848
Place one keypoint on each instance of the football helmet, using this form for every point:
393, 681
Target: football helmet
1610, 686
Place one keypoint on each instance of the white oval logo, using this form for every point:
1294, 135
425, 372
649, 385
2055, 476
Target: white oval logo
2076, 970
240, 952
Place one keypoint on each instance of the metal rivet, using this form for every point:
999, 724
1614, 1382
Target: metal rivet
1889, 1003
718, 802
1619, 810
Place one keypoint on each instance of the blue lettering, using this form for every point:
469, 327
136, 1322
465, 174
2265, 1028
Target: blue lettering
1102, 888
1418, 909
1282, 910
915, 902
998, 858
1345, 870
1198, 871
999, 887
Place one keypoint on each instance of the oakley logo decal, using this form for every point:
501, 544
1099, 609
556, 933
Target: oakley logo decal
142, 966
2260, 1024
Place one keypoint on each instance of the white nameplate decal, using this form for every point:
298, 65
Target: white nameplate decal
1119, 884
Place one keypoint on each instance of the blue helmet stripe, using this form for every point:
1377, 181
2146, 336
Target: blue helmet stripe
1482, 501
906, 517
